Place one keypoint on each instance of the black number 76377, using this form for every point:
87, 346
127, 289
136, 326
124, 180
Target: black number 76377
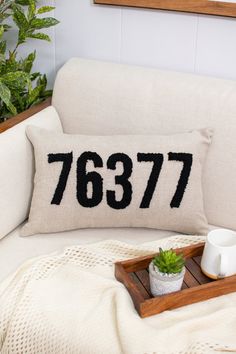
83, 178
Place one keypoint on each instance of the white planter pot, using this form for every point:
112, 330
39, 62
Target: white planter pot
162, 283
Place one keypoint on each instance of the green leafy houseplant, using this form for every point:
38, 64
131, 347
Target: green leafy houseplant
169, 262
20, 88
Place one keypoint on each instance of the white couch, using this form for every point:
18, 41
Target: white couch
104, 98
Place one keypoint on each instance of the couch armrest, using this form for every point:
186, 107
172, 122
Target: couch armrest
24, 115
17, 163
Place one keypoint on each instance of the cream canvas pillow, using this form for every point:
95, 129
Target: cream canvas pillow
118, 181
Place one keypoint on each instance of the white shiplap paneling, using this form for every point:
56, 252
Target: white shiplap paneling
87, 30
158, 38
216, 47
175, 41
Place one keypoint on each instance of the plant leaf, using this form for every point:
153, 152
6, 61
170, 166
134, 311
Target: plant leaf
34, 76
20, 100
2, 59
11, 63
5, 93
41, 36
169, 262
5, 96
12, 108
21, 36
28, 62
44, 9
1, 31
16, 80
22, 2
5, 5
34, 95
46, 93
19, 18
31, 10
38, 23
42, 80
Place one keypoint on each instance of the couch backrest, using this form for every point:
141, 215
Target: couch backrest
103, 98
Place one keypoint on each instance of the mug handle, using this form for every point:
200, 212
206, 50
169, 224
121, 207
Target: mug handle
223, 266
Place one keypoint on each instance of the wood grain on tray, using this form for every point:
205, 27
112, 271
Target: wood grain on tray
196, 286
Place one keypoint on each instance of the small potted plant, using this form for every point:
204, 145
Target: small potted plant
166, 272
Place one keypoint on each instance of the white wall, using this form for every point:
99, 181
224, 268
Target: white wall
174, 41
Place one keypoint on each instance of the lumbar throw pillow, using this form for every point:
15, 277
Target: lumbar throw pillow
118, 181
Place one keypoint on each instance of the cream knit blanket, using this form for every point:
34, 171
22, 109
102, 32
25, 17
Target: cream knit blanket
71, 303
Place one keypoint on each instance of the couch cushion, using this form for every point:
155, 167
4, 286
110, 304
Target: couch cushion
14, 250
99, 98
17, 169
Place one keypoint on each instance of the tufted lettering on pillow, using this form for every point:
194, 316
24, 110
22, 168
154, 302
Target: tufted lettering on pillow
118, 181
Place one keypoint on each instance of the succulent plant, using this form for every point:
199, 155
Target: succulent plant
169, 262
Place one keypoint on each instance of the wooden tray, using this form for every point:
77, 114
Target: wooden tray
196, 287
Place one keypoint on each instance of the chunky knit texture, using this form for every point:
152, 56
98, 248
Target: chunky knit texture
70, 303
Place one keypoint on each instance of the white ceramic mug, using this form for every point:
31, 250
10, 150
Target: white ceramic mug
219, 255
